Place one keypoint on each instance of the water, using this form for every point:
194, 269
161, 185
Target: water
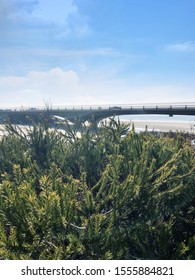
161, 122
158, 118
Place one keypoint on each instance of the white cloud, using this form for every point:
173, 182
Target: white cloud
122, 92
67, 53
68, 88
188, 46
49, 10
37, 86
52, 19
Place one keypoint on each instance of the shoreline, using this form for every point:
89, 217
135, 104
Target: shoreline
154, 125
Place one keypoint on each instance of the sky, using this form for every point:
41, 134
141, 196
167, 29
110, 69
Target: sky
91, 52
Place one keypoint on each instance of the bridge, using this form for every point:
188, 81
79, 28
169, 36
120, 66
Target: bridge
93, 113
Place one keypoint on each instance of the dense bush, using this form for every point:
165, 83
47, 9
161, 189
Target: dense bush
97, 195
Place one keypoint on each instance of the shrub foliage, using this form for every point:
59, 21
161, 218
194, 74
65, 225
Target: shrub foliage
88, 193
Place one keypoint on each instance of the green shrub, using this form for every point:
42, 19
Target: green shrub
97, 195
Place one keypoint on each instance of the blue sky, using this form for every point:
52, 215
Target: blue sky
96, 51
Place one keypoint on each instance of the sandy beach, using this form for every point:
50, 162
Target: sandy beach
165, 126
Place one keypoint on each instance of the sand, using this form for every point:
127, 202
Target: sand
165, 126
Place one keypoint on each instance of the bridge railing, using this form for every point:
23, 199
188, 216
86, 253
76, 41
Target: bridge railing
187, 105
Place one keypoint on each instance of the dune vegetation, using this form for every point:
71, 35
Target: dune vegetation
96, 194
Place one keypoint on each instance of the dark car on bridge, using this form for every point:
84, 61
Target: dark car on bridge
115, 108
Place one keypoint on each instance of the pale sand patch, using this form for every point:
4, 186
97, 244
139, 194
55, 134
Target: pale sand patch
165, 125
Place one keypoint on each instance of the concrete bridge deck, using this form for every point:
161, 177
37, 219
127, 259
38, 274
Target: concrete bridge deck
94, 113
